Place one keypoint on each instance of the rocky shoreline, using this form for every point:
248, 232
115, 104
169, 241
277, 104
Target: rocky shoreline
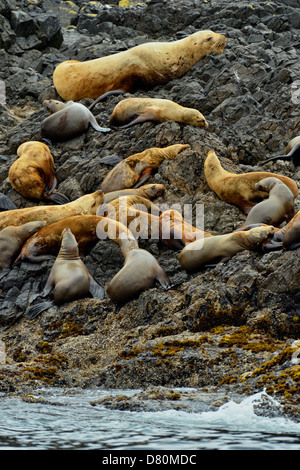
231, 329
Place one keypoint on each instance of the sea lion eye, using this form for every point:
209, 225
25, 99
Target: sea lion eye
209, 39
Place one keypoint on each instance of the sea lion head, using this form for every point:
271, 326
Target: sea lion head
267, 184
52, 106
153, 190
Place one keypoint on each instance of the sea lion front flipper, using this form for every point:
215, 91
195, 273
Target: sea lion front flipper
143, 178
163, 279
58, 198
33, 311
96, 290
6, 203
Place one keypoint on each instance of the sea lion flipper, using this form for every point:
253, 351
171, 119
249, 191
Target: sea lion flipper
149, 116
143, 178
96, 290
6, 203
96, 126
274, 158
163, 279
33, 311
58, 198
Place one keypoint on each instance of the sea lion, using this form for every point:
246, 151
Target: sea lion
32, 174
12, 239
133, 171
145, 65
87, 204
45, 243
279, 206
292, 152
219, 248
175, 232
291, 233
117, 209
149, 191
132, 111
140, 271
239, 189
67, 120
69, 277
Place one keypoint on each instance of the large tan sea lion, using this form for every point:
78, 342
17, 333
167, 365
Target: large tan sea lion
32, 174
239, 189
67, 120
145, 65
219, 248
149, 191
133, 171
87, 204
132, 111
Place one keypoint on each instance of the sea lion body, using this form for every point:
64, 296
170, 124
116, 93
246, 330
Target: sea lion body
32, 174
219, 248
67, 120
145, 65
239, 189
134, 170
69, 276
149, 191
140, 270
291, 234
45, 243
277, 208
133, 111
87, 204
12, 239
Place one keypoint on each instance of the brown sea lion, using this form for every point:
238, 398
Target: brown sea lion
140, 271
239, 189
133, 171
219, 248
32, 174
69, 277
279, 206
149, 191
87, 204
291, 233
132, 111
292, 152
145, 65
13, 238
67, 120
45, 243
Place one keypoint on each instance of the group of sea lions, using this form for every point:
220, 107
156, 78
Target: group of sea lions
67, 230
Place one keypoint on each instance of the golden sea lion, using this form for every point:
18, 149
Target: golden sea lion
291, 233
219, 248
45, 243
145, 65
279, 206
239, 189
69, 277
292, 152
117, 209
87, 204
12, 239
140, 271
132, 111
133, 171
32, 174
149, 191
67, 120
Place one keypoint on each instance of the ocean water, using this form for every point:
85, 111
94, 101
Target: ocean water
68, 422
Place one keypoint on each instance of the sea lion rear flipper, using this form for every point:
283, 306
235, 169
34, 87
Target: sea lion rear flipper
33, 311
96, 126
58, 198
105, 95
163, 279
6, 203
149, 116
96, 290
275, 158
